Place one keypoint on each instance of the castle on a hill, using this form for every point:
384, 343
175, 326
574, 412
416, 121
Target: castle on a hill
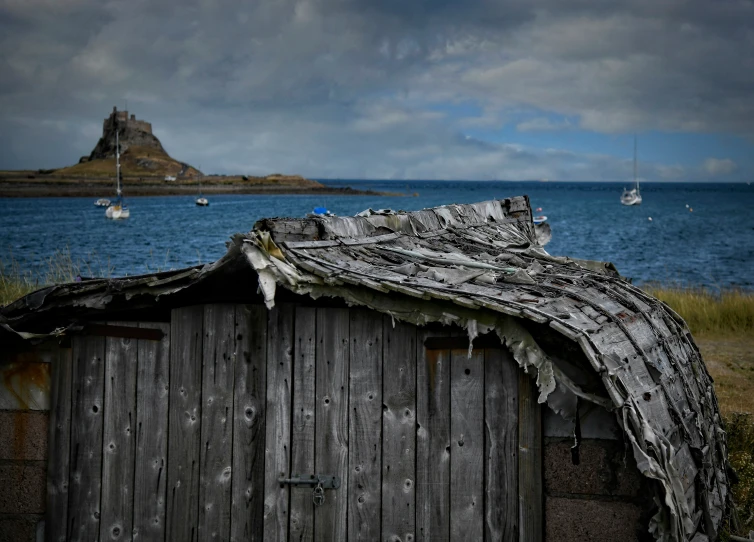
120, 118
131, 133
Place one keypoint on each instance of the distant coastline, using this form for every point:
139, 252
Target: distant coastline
24, 184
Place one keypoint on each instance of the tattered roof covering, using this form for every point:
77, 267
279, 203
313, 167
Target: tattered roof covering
480, 266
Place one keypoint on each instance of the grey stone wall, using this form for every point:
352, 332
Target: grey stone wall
603, 497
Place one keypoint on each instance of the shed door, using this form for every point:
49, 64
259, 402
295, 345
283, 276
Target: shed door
429, 443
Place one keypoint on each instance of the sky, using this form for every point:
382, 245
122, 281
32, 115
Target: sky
390, 89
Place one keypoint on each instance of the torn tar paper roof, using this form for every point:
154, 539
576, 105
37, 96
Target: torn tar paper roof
480, 266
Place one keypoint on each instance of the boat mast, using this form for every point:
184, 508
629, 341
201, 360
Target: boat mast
117, 163
636, 181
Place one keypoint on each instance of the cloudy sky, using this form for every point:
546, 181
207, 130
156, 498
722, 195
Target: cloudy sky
404, 89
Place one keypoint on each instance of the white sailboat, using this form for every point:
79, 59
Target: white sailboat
118, 210
633, 196
201, 201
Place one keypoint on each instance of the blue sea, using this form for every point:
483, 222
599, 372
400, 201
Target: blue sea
698, 235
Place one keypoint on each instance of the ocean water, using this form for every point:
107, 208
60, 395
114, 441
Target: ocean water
699, 234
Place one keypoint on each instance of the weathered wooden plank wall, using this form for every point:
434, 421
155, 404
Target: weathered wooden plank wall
197, 428
331, 419
365, 425
186, 334
56, 513
466, 444
432, 440
529, 461
218, 371
399, 431
302, 438
150, 475
501, 445
247, 506
278, 409
121, 363
86, 438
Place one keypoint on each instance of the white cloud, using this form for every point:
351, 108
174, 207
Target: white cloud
719, 166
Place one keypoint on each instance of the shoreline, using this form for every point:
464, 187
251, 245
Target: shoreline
52, 189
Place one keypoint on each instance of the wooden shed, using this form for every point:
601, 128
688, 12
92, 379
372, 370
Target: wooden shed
432, 375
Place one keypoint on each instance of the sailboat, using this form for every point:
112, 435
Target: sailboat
118, 210
633, 196
201, 201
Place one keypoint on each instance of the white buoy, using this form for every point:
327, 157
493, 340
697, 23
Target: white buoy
687, 206
650, 219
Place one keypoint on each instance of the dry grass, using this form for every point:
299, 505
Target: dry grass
729, 312
730, 361
60, 268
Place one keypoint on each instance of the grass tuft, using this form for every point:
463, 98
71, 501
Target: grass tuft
60, 268
730, 312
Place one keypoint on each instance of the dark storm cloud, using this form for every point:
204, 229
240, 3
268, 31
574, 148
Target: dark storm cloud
339, 88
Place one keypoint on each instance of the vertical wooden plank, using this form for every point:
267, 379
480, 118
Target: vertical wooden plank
118, 442
56, 513
247, 506
398, 432
432, 440
184, 423
466, 445
86, 438
365, 425
302, 440
501, 445
218, 360
278, 424
152, 387
331, 420
529, 460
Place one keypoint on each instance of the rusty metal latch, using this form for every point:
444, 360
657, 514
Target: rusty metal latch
319, 482
311, 480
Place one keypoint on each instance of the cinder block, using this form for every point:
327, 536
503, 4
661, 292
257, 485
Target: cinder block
23, 435
604, 468
23, 489
18, 528
581, 520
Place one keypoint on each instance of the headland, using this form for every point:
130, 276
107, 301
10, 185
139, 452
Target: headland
146, 169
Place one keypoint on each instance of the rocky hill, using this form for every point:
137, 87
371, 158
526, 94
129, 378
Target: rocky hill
142, 154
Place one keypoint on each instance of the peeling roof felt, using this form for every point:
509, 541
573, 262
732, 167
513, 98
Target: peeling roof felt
480, 266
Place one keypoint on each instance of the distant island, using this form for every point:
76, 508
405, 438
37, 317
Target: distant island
147, 170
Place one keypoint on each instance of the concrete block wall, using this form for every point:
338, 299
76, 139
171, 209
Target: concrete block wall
24, 417
603, 497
